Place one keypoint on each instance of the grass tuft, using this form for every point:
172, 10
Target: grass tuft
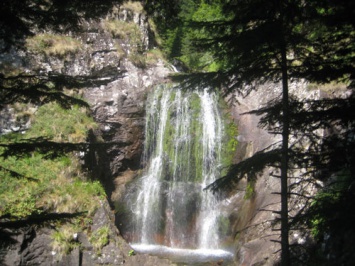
52, 45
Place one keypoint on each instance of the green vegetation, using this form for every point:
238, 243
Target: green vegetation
63, 240
230, 143
237, 44
135, 6
174, 33
131, 33
196, 160
100, 237
329, 202
153, 56
124, 30
131, 253
48, 185
53, 45
45, 185
250, 189
49, 123
38, 183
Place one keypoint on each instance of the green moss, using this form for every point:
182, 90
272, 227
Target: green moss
230, 146
196, 129
230, 142
250, 190
189, 154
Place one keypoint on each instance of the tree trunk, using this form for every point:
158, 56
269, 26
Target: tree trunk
285, 252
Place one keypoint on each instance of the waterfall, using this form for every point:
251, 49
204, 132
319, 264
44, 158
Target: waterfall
169, 207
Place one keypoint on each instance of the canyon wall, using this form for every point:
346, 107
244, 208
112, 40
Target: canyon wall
118, 106
117, 85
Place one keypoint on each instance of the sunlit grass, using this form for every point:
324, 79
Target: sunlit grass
51, 44
63, 240
51, 185
100, 238
58, 124
124, 30
135, 6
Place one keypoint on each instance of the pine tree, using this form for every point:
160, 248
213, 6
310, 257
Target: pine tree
271, 41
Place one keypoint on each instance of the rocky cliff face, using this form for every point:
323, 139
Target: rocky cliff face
118, 108
254, 216
112, 59
117, 84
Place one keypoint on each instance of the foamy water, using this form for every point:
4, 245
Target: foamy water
188, 256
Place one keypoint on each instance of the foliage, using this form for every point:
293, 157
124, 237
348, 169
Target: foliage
333, 199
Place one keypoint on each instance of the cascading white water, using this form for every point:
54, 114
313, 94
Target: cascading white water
182, 155
211, 154
149, 194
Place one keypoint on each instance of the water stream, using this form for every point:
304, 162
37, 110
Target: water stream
170, 212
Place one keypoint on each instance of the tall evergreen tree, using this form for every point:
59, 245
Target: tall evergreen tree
277, 40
